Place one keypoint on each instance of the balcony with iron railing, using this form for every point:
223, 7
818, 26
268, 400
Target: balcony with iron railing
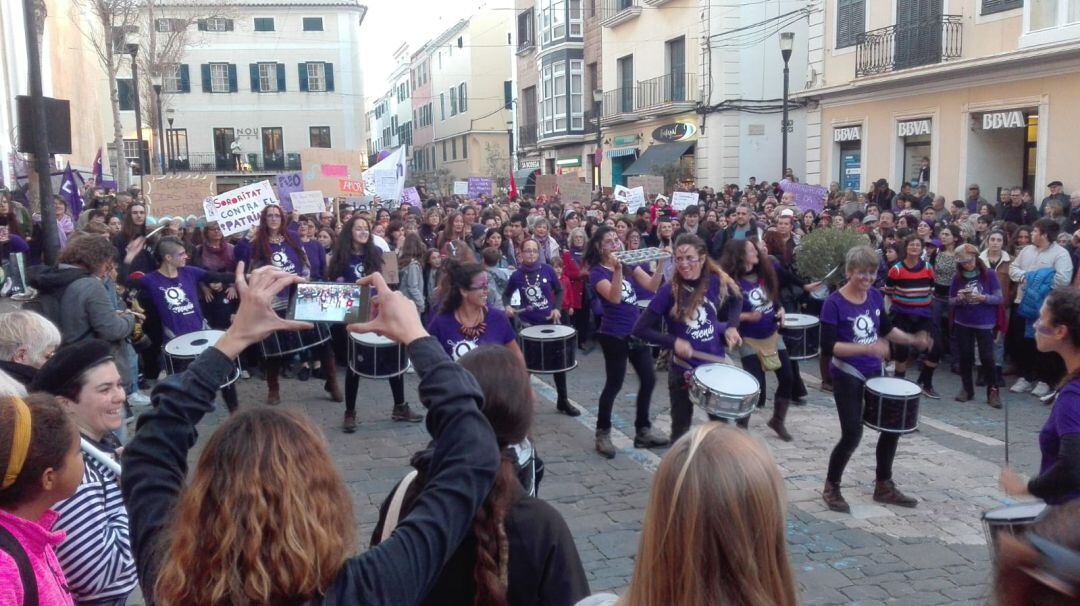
670, 93
897, 47
210, 162
614, 12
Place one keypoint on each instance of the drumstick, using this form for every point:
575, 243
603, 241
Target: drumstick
1005, 405
102, 457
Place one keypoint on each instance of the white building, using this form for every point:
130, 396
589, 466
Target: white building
390, 122
276, 76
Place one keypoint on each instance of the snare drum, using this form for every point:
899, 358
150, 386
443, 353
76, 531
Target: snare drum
724, 391
891, 404
288, 342
1013, 520
376, 357
181, 351
549, 348
643, 304
802, 336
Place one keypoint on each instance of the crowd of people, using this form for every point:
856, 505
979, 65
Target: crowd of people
455, 281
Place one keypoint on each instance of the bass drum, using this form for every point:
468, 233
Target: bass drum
375, 357
549, 348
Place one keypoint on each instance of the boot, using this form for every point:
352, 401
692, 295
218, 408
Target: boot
833, 499
331, 385
887, 492
963, 396
566, 408
646, 437
993, 398
348, 424
776, 423
273, 385
603, 443
402, 412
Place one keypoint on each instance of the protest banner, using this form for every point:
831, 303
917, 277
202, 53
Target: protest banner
547, 185
461, 188
238, 210
573, 189
651, 184
479, 186
807, 197
387, 178
179, 195
287, 183
681, 199
325, 169
633, 197
308, 202
409, 195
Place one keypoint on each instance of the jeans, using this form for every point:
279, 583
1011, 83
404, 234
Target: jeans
848, 395
784, 384
617, 352
352, 385
968, 339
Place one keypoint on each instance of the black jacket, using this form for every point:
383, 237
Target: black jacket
402, 570
544, 566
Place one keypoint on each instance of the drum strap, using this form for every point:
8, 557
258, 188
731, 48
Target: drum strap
393, 513
848, 369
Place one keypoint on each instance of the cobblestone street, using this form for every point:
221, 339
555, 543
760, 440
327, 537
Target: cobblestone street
933, 554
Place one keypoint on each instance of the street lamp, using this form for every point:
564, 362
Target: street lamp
132, 47
787, 40
597, 98
159, 143
169, 138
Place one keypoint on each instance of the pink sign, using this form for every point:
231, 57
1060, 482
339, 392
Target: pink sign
351, 187
335, 170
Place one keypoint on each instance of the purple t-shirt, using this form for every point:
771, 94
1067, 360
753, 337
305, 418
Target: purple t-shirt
856, 324
447, 330
704, 330
756, 298
640, 290
1064, 420
537, 291
316, 255
619, 318
976, 315
282, 256
354, 269
176, 299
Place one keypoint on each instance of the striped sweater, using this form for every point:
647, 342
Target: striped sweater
911, 289
96, 554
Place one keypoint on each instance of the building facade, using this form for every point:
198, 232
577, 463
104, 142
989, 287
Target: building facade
423, 104
274, 76
948, 94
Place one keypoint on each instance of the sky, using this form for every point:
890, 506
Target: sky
391, 22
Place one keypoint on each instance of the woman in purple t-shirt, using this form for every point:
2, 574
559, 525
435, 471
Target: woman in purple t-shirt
975, 295
464, 321
856, 331
1058, 480
618, 298
759, 323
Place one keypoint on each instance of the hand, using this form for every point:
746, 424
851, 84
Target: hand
207, 295
684, 349
230, 293
780, 316
133, 249
880, 349
395, 316
256, 318
510, 312
922, 341
1012, 483
570, 312
731, 336
555, 316
812, 286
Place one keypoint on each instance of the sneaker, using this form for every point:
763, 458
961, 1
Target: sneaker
1049, 398
929, 392
1021, 386
647, 437
887, 492
244, 374
1041, 389
138, 399
603, 443
404, 413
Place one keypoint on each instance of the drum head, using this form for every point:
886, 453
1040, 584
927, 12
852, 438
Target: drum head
643, 303
543, 332
370, 338
799, 321
727, 380
1015, 513
193, 343
893, 386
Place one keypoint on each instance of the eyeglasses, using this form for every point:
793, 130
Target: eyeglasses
478, 287
966, 260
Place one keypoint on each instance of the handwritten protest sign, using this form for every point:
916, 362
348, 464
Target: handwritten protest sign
461, 188
479, 186
326, 169
238, 210
387, 178
409, 195
573, 189
807, 197
351, 187
308, 202
287, 183
652, 184
179, 195
547, 185
681, 199
633, 197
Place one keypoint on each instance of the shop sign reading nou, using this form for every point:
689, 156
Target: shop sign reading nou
996, 120
913, 128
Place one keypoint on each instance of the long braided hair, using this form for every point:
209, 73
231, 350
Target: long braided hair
685, 306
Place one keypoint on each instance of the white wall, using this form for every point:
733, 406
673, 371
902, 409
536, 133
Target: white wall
995, 158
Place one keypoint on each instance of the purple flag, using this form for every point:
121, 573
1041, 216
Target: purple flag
97, 169
69, 191
807, 197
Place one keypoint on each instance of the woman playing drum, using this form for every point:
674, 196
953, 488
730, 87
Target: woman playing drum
541, 301
857, 332
698, 303
1057, 330
759, 324
464, 321
357, 256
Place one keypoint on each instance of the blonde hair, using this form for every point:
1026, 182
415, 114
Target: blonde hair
714, 526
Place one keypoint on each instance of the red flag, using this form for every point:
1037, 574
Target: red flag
513, 186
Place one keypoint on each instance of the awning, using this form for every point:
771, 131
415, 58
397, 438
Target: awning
658, 155
620, 151
523, 176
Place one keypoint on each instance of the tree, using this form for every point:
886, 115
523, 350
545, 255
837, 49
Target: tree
497, 165
673, 173
444, 181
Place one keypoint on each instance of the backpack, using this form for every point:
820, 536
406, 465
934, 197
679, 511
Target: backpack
10, 545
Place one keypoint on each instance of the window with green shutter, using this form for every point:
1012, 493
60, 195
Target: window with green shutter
990, 7
264, 24
850, 22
